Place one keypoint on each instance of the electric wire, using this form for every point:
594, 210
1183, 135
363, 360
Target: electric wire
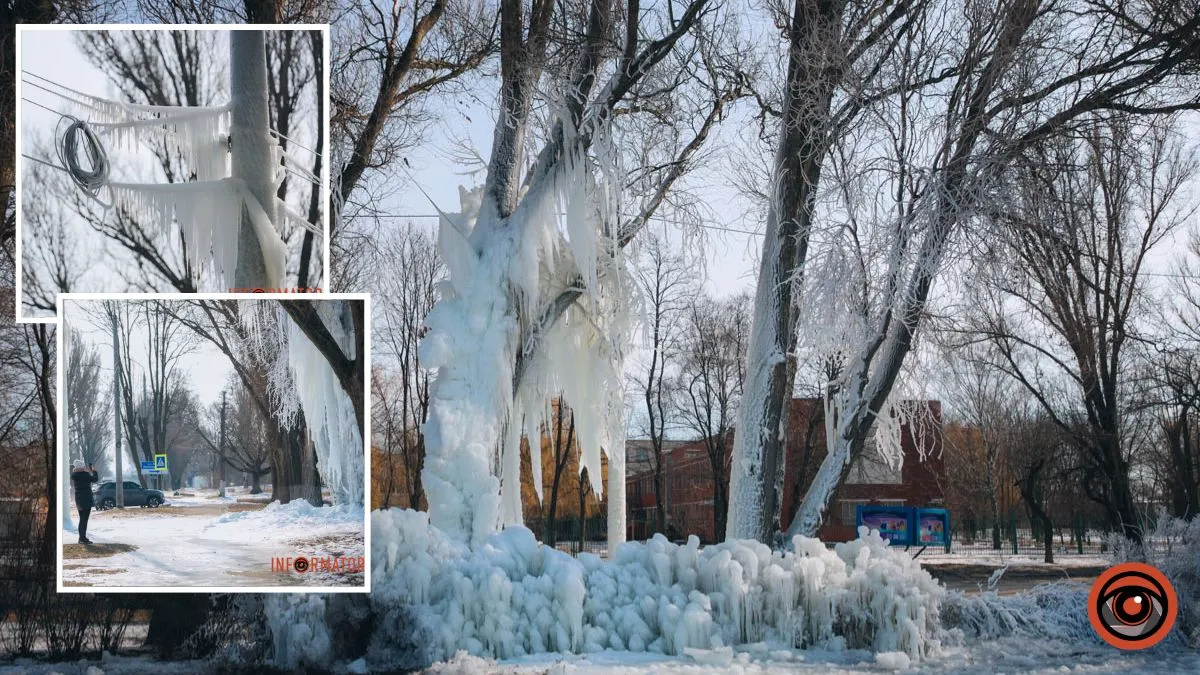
295, 143
94, 177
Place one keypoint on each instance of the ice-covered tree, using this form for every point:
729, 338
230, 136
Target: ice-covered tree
516, 267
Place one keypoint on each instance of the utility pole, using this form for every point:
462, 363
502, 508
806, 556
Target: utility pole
221, 444
120, 475
250, 136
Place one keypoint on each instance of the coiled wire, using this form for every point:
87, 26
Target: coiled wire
94, 177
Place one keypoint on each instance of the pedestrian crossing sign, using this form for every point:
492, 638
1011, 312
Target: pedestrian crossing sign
160, 462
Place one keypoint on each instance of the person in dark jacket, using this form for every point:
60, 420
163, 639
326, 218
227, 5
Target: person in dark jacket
82, 479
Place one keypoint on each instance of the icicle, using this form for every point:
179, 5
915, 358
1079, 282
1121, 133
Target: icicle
329, 412
207, 213
199, 135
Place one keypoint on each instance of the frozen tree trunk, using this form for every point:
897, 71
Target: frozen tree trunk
757, 464
616, 498
251, 148
848, 441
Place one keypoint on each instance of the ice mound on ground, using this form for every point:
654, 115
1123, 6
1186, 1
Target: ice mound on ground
508, 597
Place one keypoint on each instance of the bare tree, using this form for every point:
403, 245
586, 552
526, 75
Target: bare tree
393, 63
246, 435
984, 398
1091, 207
664, 283
89, 419
1039, 459
561, 449
402, 300
711, 380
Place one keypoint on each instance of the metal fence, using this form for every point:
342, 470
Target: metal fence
574, 535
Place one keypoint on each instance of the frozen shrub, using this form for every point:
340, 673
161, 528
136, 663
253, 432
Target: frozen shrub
234, 634
299, 631
1056, 611
1173, 547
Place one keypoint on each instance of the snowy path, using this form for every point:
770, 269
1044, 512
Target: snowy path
197, 546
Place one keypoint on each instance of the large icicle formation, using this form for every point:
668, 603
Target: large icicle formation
327, 408
502, 273
208, 214
511, 597
300, 378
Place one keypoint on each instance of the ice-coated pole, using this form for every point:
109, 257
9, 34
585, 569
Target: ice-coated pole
251, 151
120, 474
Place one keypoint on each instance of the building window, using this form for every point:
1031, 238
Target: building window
849, 510
872, 468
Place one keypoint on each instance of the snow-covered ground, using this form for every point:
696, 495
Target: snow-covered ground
1009, 655
199, 541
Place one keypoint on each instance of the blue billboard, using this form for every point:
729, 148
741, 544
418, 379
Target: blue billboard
906, 525
893, 522
932, 527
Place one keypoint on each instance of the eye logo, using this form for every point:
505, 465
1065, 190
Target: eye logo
1132, 606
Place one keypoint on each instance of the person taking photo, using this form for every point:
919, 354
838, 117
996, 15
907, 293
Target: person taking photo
82, 479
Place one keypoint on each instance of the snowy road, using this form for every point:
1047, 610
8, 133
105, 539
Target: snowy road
196, 545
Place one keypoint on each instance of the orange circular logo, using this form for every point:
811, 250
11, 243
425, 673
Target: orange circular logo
1132, 606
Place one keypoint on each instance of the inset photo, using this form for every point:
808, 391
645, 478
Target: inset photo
181, 160
213, 443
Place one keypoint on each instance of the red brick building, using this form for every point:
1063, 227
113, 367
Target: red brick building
689, 487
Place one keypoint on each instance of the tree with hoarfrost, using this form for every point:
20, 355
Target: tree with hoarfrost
955, 94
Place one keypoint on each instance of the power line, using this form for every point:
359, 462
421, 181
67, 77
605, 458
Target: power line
47, 109
60, 94
42, 161
295, 143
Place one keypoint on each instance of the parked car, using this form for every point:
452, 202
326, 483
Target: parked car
135, 495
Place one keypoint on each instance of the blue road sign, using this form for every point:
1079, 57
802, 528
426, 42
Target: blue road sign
147, 466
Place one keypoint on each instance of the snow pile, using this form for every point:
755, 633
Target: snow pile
509, 596
296, 513
1056, 611
328, 410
